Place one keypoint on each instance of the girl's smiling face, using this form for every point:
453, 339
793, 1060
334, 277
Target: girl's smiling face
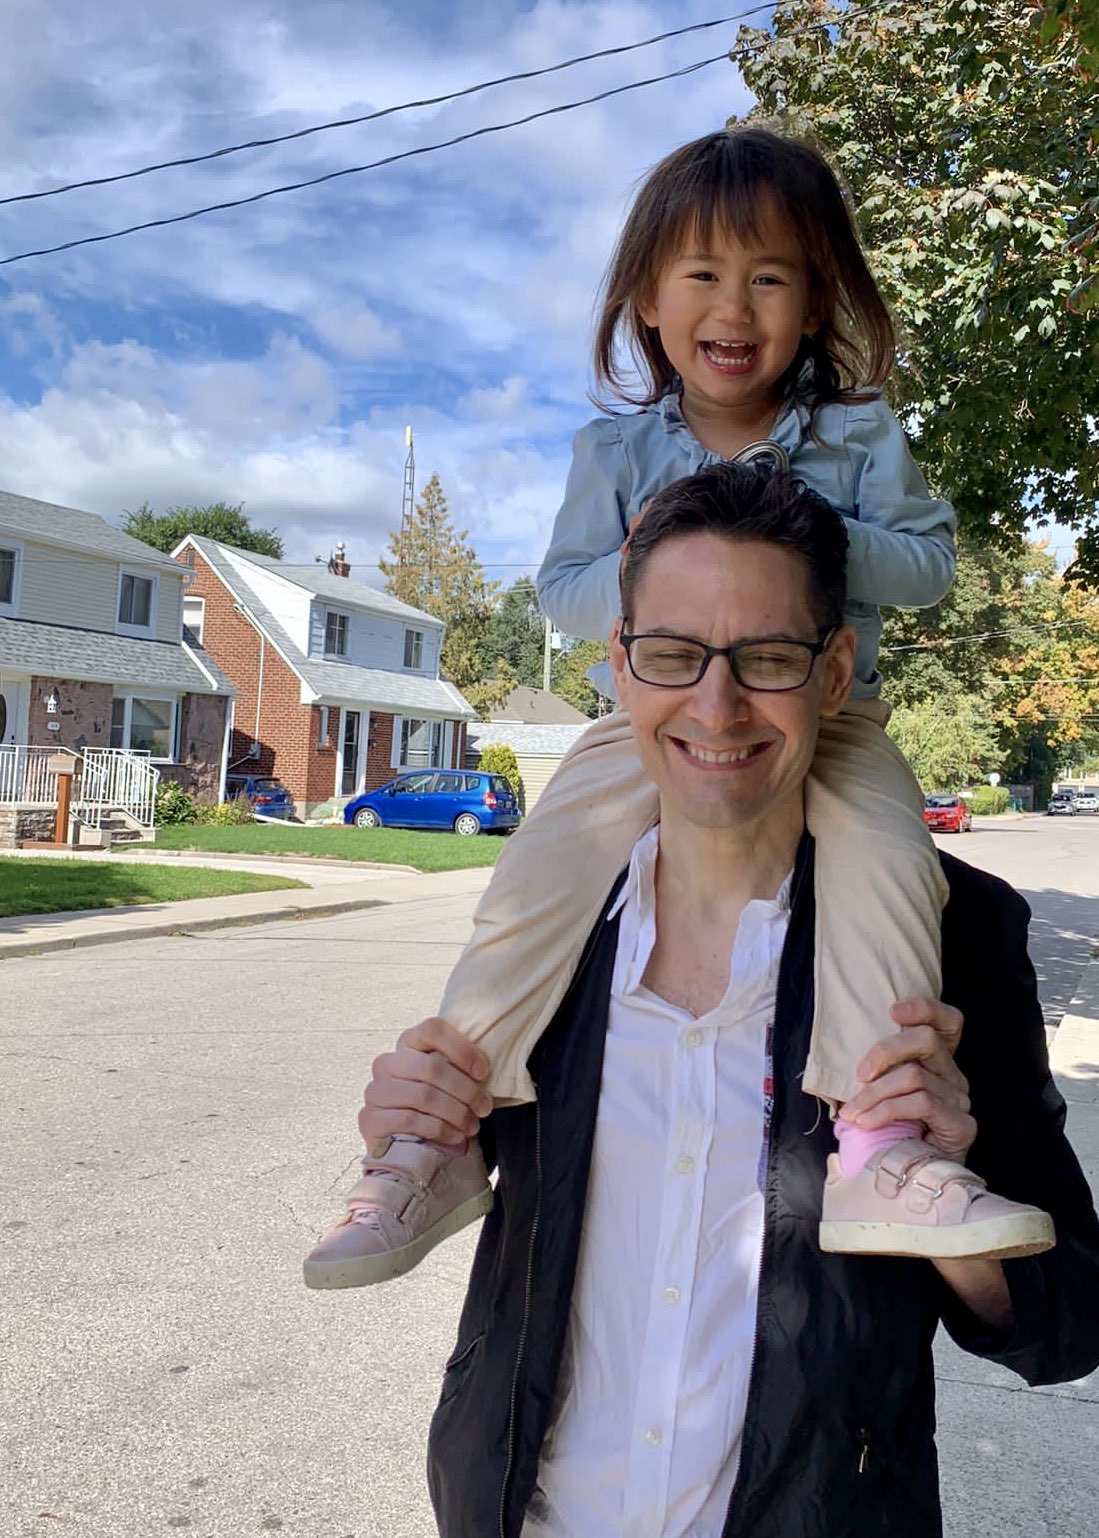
731, 314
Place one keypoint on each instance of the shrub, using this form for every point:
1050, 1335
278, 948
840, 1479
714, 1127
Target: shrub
174, 805
987, 800
225, 814
499, 758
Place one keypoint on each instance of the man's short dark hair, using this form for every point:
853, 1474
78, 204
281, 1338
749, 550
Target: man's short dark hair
744, 502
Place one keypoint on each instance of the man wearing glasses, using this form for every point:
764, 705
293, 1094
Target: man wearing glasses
653, 1342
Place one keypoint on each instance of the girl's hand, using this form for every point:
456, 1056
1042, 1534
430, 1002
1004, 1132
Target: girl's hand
912, 1076
428, 1086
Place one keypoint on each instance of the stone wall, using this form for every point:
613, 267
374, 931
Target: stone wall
18, 823
201, 735
83, 714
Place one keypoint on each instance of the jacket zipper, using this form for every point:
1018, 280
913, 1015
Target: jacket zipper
514, 1399
864, 1450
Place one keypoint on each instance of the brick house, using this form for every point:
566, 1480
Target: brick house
94, 665
337, 683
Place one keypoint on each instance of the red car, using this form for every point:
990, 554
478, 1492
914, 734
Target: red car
947, 814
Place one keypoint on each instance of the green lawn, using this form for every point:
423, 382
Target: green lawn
386, 846
63, 886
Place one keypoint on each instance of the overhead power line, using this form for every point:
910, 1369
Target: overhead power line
258, 197
373, 117
984, 635
372, 165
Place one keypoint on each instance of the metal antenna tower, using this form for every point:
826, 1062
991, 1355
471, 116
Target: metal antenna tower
408, 501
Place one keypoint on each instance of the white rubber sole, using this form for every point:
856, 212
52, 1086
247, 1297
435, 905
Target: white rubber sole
371, 1269
1024, 1233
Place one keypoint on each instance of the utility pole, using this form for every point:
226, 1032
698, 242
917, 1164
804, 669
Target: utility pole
408, 503
547, 656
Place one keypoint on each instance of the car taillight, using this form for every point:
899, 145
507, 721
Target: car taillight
490, 800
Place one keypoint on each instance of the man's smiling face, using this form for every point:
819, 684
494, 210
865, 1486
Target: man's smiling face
720, 755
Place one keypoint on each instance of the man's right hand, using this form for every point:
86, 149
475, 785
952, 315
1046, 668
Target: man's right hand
428, 1086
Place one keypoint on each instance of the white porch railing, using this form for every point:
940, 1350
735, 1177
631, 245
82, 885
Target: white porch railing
116, 780
25, 776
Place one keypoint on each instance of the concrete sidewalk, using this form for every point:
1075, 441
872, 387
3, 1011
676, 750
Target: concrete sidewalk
1004, 1447
334, 887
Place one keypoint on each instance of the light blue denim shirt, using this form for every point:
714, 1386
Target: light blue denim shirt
901, 538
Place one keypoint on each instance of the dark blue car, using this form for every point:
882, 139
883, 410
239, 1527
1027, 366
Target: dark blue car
466, 801
269, 797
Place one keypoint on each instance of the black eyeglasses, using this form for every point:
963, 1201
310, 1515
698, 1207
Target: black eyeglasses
678, 662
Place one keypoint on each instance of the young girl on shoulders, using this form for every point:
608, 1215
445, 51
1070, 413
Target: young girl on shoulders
740, 295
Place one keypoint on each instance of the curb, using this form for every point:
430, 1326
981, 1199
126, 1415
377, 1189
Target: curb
184, 927
1074, 1053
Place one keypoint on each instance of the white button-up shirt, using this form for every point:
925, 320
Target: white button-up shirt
645, 1438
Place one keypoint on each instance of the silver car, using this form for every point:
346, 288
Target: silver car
1087, 801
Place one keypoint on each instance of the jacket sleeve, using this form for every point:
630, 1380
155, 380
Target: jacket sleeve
578, 582
1023, 1153
902, 538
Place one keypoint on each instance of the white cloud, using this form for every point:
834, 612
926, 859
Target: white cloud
272, 354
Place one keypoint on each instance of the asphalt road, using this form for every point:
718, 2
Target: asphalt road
178, 1122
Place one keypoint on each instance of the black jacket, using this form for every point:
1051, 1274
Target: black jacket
839, 1428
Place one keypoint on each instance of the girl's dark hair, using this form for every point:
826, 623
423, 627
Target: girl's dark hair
743, 502
727, 182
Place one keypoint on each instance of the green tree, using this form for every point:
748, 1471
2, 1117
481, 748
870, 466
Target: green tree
949, 740
435, 568
221, 521
965, 131
570, 670
516, 634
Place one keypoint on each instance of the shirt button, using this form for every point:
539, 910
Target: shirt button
693, 1038
653, 1437
684, 1165
670, 1295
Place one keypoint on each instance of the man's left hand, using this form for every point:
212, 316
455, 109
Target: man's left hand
912, 1076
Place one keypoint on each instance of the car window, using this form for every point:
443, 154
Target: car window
942, 801
269, 785
501, 786
473, 782
449, 784
413, 784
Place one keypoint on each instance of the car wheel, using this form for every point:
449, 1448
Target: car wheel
367, 817
467, 825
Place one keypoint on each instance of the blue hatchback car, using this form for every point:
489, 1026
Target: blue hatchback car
269, 797
467, 801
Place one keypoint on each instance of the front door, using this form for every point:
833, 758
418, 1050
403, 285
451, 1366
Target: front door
14, 707
351, 746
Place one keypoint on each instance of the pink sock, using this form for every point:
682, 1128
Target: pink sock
857, 1144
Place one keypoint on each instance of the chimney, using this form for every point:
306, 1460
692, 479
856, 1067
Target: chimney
337, 565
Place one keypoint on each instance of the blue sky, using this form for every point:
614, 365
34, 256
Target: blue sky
272, 355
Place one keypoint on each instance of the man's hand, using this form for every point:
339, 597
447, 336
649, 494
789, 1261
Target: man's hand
429, 1086
912, 1076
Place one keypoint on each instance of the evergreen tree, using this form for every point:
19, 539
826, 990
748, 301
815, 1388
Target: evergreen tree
516, 634
434, 567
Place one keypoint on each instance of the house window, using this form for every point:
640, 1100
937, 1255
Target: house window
194, 616
335, 634
144, 725
413, 648
135, 601
7, 576
421, 743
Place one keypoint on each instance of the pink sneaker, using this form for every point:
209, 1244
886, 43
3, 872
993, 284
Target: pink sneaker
404, 1205
912, 1200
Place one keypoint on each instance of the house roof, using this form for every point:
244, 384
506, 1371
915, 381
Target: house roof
533, 741
538, 707
62, 651
321, 583
72, 529
340, 682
